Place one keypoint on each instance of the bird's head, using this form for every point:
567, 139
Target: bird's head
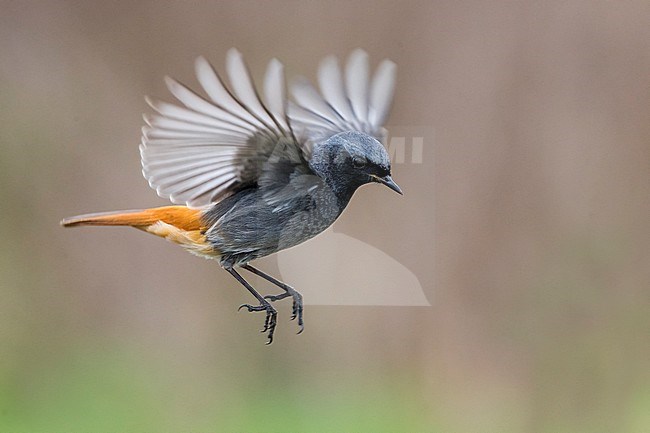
350, 159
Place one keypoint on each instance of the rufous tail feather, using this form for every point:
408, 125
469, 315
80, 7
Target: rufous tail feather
178, 224
180, 217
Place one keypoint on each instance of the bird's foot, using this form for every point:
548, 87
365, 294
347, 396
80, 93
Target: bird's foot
270, 320
297, 305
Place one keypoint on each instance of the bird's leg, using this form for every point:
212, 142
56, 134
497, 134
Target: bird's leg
288, 291
271, 314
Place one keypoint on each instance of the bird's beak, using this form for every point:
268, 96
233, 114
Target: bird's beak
389, 182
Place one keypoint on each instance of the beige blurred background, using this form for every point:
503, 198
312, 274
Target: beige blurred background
526, 224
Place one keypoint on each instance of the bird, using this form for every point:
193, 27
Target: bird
252, 170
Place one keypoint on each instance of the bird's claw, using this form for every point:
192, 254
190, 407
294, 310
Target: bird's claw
297, 311
271, 317
297, 308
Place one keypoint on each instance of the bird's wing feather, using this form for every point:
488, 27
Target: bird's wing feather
352, 103
208, 148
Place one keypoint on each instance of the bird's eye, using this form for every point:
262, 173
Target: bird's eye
358, 162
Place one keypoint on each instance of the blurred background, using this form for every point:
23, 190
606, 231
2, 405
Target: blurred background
535, 260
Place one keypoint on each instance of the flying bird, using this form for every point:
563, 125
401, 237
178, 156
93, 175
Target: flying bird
252, 172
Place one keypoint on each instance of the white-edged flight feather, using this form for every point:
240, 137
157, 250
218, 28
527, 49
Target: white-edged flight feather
209, 147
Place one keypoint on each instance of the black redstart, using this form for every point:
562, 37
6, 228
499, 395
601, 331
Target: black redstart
254, 174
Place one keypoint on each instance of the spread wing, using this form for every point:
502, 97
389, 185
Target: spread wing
210, 147
348, 100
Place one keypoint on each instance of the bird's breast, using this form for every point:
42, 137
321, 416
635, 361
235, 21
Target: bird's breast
255, 226
307, 219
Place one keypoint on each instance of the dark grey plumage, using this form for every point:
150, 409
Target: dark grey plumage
294, 200
269, 173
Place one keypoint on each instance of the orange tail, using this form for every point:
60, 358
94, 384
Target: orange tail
178, 224
180, 217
